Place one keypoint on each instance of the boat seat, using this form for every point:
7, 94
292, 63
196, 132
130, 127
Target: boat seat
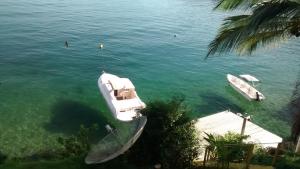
127, 94
119, 97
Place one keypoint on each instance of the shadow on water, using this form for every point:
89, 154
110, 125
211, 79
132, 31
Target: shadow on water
213, 103
292, 108
68, 115
79, 89
286, 113
76, 89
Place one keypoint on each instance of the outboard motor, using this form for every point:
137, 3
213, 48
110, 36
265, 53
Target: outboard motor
257, 96
108, 128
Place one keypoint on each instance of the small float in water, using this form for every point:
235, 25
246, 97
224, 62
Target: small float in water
120, 96
244, 88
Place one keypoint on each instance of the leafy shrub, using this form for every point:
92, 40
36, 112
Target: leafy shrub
262, 156
79, 144
227, 148
169, 137
288, 161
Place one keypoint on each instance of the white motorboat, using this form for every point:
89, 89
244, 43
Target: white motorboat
244, 88
120, 96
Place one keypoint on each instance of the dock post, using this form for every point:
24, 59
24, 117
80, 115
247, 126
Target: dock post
244, 126
276, 154
205, 156
249, 155
297, 150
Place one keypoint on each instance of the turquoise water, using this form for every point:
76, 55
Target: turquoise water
48, 90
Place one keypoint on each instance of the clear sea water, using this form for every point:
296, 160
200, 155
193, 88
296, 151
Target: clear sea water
48, 90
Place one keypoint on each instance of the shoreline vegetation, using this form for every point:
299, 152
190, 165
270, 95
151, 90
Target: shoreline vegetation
166, 120
169, 139
157, 145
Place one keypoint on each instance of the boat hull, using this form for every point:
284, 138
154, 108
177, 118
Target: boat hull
106, 96
244, 88
239, 91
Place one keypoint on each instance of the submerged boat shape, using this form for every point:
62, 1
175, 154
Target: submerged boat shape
116, 142
120, 96
244, 88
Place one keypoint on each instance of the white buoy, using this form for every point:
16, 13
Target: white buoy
101, 45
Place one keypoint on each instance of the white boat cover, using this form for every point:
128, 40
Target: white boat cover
249, 78
126, 108
121, 83
125, 105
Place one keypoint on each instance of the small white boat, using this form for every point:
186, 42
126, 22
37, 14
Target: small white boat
244, 88
120, 96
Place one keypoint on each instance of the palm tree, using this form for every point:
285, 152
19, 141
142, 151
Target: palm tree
264, 22
295, 105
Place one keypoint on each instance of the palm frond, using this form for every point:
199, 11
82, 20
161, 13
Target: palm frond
250, 43
271, 21
268, 11
238, 37
234, 4
229, 34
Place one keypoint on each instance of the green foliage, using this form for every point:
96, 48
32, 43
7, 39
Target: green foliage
264, 23
2, 157
234, 4
77, 145
67, 163
227, 148
261, 156
288, 161
169, 138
